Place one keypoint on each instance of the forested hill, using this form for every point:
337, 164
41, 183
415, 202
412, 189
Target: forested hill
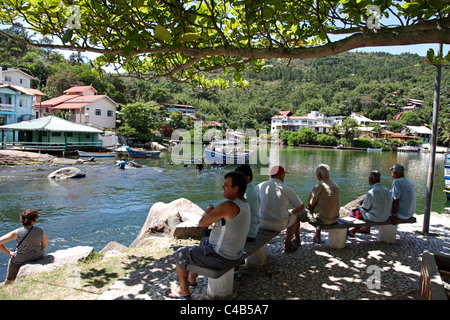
375, 84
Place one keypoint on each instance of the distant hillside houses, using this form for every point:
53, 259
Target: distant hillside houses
316, 121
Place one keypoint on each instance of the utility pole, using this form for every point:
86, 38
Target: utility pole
433, 143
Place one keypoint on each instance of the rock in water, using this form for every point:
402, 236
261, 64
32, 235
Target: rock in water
67, 173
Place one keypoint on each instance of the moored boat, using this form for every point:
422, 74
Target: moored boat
143, 153
220, 157
372, 149
107, 154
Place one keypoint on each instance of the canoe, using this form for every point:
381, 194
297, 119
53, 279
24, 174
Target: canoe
108, 154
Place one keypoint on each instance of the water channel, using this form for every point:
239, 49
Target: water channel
111, 204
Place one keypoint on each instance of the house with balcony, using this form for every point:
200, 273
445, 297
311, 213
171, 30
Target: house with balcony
314, 120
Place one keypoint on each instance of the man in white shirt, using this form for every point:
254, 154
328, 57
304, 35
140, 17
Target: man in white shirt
275, 212
403, 195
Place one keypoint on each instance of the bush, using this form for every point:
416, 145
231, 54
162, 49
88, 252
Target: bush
326, 140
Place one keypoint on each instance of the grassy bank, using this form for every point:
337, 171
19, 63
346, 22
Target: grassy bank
88, 279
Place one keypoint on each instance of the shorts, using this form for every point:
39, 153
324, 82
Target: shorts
355, 213
278, 225
202, 255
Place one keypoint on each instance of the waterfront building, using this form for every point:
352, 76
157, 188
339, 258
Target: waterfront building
85, 107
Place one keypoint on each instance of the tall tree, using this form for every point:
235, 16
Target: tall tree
181, 39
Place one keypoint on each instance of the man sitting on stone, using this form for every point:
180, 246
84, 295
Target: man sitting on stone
376, 205
224, 247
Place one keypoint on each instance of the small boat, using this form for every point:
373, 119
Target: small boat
107, 154
409, 149
221, 157
447, 175
188, 158
143, 153
377, 150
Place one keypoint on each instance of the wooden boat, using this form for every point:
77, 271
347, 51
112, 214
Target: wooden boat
447, 175
143, 153
107, 154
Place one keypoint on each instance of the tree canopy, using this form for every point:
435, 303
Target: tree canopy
185, 40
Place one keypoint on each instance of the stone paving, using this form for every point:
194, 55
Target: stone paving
364, 270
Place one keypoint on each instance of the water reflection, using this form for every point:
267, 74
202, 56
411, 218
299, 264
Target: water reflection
112, 205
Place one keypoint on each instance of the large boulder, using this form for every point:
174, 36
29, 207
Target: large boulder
54, 260
15, 157
67, 173
178, 218
343, 212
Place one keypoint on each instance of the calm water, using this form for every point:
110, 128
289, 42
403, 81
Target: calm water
112, 204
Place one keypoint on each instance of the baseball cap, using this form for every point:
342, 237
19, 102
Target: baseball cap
277, 170
398, 167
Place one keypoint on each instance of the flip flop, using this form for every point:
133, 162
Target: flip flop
192, 284
168, 292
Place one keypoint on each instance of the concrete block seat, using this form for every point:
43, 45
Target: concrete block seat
338, 232
220, 282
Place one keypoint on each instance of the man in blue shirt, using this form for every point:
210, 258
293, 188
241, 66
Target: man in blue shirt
403, 195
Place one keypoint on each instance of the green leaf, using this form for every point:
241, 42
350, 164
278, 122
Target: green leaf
162, 33
67, 35
190, 37
129, 48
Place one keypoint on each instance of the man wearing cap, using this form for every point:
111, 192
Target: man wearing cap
403, 194
324, 200
276, 201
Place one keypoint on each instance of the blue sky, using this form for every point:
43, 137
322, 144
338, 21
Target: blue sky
420, 49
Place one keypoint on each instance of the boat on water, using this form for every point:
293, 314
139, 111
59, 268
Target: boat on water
447, 175
372, 150
143, 153
107, 154
409, 149
220, 156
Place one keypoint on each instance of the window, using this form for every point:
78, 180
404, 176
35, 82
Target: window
8, 78
22, 103
98, 112
109, 113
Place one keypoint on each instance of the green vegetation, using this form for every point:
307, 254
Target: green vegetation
374, 84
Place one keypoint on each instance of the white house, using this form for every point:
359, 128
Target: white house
16, 77
361, 119
86, 106
423, 132
313, 120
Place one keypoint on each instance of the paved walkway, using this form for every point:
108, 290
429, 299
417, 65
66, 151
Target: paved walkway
365, 269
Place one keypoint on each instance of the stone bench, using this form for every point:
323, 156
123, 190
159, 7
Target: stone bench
220, 282
337, 234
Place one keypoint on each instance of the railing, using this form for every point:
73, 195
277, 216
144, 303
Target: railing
7, 107
50, 145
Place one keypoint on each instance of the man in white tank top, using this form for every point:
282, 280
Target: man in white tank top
224, 247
